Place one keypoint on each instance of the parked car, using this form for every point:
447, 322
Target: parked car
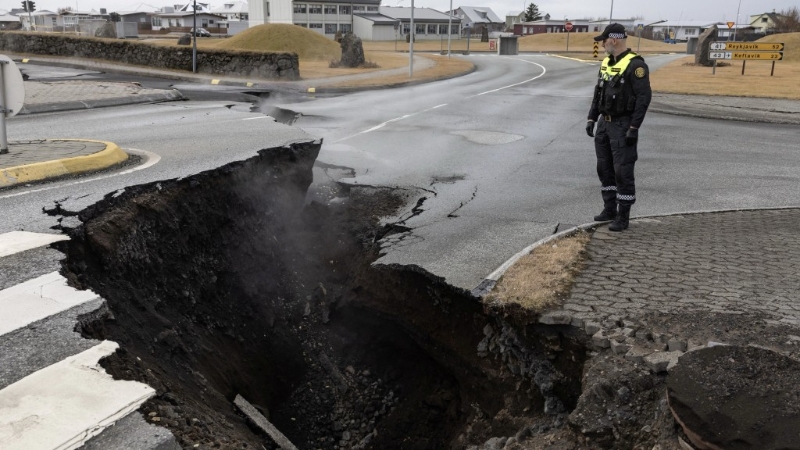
201, 32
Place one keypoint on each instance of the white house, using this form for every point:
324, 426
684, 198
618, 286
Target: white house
8, 21
683, 30
233, 11
765, 22
478, 18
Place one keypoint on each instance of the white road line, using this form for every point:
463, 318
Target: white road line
152, 159
19, 241
381, 125
257, 118
62, 406
544, 71
37, 299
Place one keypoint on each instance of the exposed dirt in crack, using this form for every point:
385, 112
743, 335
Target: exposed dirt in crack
228, 283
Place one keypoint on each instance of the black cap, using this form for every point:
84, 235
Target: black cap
614, 30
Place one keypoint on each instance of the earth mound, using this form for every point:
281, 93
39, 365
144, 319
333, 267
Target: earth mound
284, 38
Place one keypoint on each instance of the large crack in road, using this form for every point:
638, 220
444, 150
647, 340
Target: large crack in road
227, 283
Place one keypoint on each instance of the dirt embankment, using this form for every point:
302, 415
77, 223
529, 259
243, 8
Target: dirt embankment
232, 282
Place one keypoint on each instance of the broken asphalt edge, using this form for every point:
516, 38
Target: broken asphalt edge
39, 171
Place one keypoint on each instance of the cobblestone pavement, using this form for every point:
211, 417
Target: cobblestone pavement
28, 152
729, 276
48, 96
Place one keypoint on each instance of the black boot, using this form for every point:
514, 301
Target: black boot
607, 214
621, 222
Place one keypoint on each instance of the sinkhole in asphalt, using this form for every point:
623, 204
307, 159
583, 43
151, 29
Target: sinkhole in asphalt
233, 283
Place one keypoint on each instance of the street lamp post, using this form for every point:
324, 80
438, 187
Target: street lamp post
611, 14
736, 24
194, 38
411, 44
449, 27
639, 42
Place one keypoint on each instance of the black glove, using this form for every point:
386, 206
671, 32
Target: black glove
590, 128
632, 137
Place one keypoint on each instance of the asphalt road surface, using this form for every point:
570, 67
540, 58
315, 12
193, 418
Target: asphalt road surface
500, 154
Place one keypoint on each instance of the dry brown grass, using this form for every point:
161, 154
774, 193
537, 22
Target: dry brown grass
683, 77
543, 278
312, 69
445, 67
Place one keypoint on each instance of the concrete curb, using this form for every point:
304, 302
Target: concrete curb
344, 90
167, 96
491, 280
39, 171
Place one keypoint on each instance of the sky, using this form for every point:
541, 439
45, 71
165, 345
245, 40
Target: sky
651, 11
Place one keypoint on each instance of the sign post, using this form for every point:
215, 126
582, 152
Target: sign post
746, 51
12, 96
639, 29
595, 49
568, 27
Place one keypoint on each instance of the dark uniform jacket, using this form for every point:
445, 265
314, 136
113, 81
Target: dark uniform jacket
631, 95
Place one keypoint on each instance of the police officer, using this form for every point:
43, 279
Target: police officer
620, 102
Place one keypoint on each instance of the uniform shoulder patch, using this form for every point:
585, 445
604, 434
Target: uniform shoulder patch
640, 72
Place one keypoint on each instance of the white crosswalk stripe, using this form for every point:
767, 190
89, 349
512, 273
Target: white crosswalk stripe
37, 299
62, 405
19, 241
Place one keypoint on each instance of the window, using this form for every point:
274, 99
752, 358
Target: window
315, 25
330, 28
345, 27
330, 9
420, 29
315, 9
442, 29
406, 27
764, 20
358, 8
300, 8
344, 9
302, 25
204, 23
155, 21
372, 9
211, 21
432, 29
454, 29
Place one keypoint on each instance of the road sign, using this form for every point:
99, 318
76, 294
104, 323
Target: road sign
731, 24
640, 27
568, 26
14, 92
748, 46
763, 56
672, 35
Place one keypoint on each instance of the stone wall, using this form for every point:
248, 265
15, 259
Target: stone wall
217, 62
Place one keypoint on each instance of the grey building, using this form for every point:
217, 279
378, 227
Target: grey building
428, 23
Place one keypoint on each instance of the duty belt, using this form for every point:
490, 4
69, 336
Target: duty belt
610, 118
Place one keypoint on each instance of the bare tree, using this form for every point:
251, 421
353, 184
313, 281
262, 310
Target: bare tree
788, 20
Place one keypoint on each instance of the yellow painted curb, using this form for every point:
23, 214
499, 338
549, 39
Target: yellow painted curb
27, 173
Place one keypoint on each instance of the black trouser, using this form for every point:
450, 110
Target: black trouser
615, 161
